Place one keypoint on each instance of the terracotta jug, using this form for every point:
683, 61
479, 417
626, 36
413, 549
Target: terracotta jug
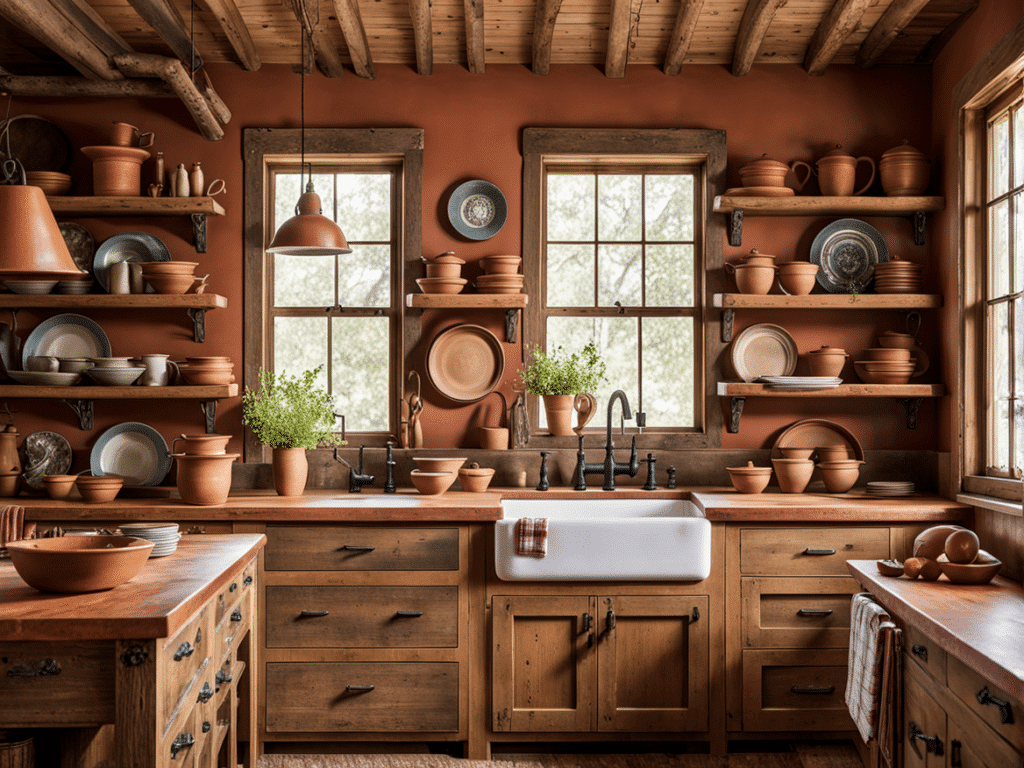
837, 173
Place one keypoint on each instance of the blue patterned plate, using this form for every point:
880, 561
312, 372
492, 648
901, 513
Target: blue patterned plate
477, 210
67, 335
133, 450
846, 252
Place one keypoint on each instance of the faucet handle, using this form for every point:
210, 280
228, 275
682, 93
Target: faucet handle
641, 421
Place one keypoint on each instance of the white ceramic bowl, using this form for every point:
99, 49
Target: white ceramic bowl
115, 377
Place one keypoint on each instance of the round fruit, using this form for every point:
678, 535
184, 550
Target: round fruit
930, 569
912, 567
890, 567
962, 546
931, 541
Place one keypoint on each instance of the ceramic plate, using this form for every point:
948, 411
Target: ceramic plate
44, 453
763, 350
477, 209
36, 142
128, 246
811, 433
80, 244
45, 378
67, 335
846, 252
135, 451
465, 363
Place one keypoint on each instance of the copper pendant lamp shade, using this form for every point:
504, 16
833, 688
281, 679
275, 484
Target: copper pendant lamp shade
309, 232
31, 245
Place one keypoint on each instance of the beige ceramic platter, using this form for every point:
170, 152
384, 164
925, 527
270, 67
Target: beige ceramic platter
763, 350
812, 433
465, 363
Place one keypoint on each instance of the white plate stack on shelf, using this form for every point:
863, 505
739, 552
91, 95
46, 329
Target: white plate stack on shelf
164, 536
891, 488
801, 382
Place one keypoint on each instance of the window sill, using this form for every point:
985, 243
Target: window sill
992, 504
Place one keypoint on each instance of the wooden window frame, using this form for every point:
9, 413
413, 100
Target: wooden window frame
706, 148
265, 146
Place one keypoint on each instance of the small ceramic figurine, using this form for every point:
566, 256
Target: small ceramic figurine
158, 169
195, 181
155, 190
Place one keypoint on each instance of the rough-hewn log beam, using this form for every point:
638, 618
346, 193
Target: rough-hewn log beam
753, 27
842, 18
543, 34
937, 43
352, 27
92, 25
71, 87
165, 20
474, 10
682, 35
173, 73
888, 27
625, 15
326, 56
52, 29
215, 102
423, 35
231, 22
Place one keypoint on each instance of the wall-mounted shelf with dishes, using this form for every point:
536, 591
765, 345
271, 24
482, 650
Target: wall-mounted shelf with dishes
738, 206
196, 208
512, 303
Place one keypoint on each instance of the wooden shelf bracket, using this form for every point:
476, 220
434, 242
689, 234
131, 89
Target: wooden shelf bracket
728, 316
198, 315
919, 224
736, 227
84, 410
511, 322
735, 411
210, 415
912, 404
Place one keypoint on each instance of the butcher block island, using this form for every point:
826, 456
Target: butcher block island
155, 672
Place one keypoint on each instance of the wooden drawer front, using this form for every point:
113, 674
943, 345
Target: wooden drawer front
227, 598
809, 551
972, 689
182, 744
304, 697
797, 612
924, 652
795, 691
924, 717
973, 745
352, 548
186, 657
42, 683
233, 625
362, 617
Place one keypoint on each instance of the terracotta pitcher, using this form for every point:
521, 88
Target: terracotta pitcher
837, 173
771, 173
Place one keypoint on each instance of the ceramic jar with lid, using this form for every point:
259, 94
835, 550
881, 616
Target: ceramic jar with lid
749, 479
446, 265
753, 279
837, 173
827, 361
904, 171
757, 259
766, 172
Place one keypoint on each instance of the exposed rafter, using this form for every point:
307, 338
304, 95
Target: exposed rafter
423, 35
753, 27
231, 22
625, 15
327, 58
889, 25
92, 25
543, 34
682, 35
164, 18
352, 27
474, 10
71, 87
842, 19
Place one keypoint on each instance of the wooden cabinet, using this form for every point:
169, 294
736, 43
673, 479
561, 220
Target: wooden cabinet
599, 663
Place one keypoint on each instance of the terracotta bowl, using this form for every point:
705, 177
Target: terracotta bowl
447, 285
500, 279
798, 278
793, 474
888, 353
897, 340
202, 377
796, 453
432, 483
832, 453
97, 490
750, 479
475, 479
169, 267
752, 279
201, 445
170, 284
827, 363
207, 359
444, 270
501, 265
51, 182
441, 464
894, 366
79, 563
59, 486
10, 483
839, 476
971, 573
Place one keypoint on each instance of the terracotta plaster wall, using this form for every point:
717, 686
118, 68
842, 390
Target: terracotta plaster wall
472, 126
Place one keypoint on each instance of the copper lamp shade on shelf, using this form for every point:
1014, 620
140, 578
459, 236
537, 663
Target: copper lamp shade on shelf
309, 232
31, 245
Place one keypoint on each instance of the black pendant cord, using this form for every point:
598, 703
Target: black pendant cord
302, 107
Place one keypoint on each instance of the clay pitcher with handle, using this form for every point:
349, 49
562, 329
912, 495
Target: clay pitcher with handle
837, 172
585, 406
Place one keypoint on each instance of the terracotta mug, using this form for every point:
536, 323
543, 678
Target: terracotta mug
837, 173
585, 405
127, 135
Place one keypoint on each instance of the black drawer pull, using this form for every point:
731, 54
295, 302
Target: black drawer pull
812, 688
181, 741
695, 616
814, 612
932, 744
358, 688
313, 613
609, 621
206, 726
955, 758
222, 677
247, 580
1005, 708
410, 614
354, 548
819, 552
233, 587
236, 615
921, 651
185, 650
205, 694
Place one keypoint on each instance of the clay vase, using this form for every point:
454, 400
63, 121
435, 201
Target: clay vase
204, 479
559, 409
837, 173
116, 171
904, 171
290, 471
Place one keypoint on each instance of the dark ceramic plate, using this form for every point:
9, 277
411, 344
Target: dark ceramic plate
477, 210
846, 252
44, 453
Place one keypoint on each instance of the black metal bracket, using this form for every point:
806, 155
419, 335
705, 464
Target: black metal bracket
198, 315
210, 413
199, 232
43, 668
134, 656
511, 325
84, 410
913, 405
921, 651
728, 315
735, 411
736, 227
918, 224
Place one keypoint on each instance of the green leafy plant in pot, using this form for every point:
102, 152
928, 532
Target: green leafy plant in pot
565, 382
290, 414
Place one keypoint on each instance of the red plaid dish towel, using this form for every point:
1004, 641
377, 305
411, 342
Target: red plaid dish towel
532, 536
864, 668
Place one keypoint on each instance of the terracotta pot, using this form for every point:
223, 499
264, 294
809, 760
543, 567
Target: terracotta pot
10, 483
201, 445
432, 483
501, 265
904, 171
837, 173
771, 173
749, 479
798, 277
444, 270
752, 278
59, 486
494, 438
827, 361
559, 410
829, 453
793, 474
290, 471
475, 479
116, 171
204, 479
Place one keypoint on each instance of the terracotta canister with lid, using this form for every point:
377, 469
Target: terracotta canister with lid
904, 171
827, 361
445, 265
752, 278
837, 173
766, 172
757, 259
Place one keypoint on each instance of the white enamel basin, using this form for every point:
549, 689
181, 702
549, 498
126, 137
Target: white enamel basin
607, 539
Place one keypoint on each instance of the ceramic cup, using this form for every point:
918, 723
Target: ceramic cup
159, 370
127, 135
135, 281
43, 364
119, 277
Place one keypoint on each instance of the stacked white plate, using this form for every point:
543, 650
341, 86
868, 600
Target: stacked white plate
801, 382
893, 488
163, 535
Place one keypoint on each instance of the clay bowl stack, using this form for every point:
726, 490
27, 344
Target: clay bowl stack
501, 275
898, 276
52, 183
885, 365
444, 275
207, 371
174, 277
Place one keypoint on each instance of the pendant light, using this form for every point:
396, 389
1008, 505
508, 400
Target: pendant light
308, 232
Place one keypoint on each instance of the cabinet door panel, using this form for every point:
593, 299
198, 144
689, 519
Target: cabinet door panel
544, 672
797, 612
923, 719
795, 691
972, 745
653, 663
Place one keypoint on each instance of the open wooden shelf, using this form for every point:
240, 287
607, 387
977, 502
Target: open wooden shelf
512, 303
829, 301
114, 301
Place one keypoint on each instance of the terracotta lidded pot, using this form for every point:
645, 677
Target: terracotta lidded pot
827, 361
116, 171
766, 172
757, 259
446, 265
752, 278
904, 171
749, 479
837, 173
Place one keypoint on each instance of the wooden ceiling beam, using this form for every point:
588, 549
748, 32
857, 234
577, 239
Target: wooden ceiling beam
423, 35
326, 56
51, 28
474, 10
233, 25
544, 34
72, 87
888, 27
842, 19
92, 25
682, 35
351, 23
163, 17
625, 16
757, 18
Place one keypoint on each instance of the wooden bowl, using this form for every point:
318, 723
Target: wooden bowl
959, 573
79, 563
169, 284
432, 483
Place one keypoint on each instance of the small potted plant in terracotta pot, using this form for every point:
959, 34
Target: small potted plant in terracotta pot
560, 378
291, 415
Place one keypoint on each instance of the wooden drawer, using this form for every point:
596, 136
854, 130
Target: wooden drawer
355, 548
922, 715
362, 617
924, 652
973, 745
797, 612
318, 697
182, 744
809, 551
795, 691
74, 679
233, 625
184, 660
991, 704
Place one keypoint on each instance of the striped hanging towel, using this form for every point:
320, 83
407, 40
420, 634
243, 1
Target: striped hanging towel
532, 536
864, 668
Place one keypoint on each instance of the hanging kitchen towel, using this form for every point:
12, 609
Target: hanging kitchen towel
12, 521
890, 705
532, 536
864, 667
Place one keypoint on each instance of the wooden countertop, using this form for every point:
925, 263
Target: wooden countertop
854, 507
982, 625
154, 604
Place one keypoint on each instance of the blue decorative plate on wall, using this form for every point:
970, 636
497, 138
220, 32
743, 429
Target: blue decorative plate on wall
477, 209
846, 252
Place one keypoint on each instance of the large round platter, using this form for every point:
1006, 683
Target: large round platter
67, 335
44, 453
763, 350
814, 433
465, 363
127, 246
477, 209
39, 144
846, 252
135, 451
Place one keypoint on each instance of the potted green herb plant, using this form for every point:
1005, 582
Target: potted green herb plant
564, 381
289, 414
